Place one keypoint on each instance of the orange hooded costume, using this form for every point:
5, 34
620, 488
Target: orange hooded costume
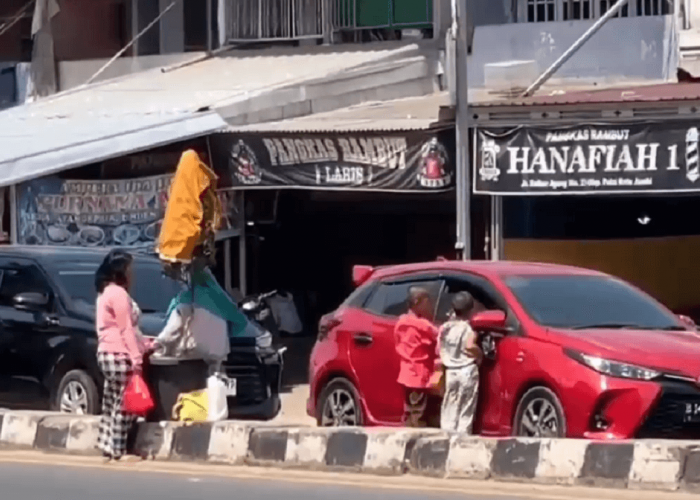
193, 212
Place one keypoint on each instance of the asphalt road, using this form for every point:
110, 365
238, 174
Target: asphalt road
29, 475
64, 483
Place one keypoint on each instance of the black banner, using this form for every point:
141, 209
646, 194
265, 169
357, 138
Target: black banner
588, 159
392, 161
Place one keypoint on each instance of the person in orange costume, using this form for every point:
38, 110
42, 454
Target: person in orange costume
193, 213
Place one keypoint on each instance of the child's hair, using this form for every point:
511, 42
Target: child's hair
462, 303
113, 269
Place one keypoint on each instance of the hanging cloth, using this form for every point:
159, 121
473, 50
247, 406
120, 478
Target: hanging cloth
193, 212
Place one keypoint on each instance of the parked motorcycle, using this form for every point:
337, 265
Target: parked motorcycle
257, 309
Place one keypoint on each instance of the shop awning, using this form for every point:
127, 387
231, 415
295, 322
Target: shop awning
413, 113
34, 146
155, 107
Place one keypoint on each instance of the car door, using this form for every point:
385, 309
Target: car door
27, 336
501, 372
372, 350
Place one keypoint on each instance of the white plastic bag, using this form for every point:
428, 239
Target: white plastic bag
285, 313
216, 394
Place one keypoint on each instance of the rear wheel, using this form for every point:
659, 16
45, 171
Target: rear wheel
540, 414
77, 394
339, 405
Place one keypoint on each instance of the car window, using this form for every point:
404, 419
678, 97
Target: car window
359, 296
485, 295
22, 279
589, 302
152, 290
391, 299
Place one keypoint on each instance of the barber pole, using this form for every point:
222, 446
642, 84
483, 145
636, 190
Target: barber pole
691, 155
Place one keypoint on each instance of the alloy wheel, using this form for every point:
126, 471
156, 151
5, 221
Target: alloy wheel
540, 419
74, 399
339, 409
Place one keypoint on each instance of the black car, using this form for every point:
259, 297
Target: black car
48, 341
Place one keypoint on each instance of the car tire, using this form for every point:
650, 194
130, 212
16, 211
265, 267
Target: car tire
339, 405
77, 394
540, 414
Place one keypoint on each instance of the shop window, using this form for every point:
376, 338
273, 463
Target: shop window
541, 10
537, 11
577, 9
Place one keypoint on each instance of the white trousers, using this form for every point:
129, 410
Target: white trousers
459, 402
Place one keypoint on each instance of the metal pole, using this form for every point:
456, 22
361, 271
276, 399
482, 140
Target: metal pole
463, 179
242, 279
227, 264
13, 214
132, 42
574, 48
210, 34
496, 249
135, 26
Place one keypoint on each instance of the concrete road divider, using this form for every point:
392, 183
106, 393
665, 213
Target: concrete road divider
643, 464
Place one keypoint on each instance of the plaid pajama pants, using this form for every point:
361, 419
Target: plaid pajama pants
114, 424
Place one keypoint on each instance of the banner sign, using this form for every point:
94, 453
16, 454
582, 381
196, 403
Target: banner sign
102, 213
588, 159
391, 161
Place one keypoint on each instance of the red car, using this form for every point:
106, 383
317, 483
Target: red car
568, 352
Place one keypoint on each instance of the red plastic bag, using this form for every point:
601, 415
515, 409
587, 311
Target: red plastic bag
137, 397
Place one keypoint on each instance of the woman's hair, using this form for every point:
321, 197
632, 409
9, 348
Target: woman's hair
113, 270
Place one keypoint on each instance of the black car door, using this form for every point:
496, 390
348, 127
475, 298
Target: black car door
27, 333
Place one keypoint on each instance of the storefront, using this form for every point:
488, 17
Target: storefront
318, 203
119, 202
604, 183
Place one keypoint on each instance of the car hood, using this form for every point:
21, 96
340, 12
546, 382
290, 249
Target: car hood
668, 351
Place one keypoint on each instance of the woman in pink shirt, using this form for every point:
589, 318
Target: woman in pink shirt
120, 350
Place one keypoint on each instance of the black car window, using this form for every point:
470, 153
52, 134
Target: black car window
391, 298
359, 296
580, 302
152, 290
22, 279
485, 295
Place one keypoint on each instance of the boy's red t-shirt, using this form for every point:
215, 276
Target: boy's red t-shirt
416, 342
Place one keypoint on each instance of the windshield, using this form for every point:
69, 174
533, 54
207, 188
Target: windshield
152, 290
579, 302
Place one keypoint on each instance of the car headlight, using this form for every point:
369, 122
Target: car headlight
264, 340
614, 368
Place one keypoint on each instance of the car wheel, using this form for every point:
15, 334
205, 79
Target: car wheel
540, 414
77, 394
339, 405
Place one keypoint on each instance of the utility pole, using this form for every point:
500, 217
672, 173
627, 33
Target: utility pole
462, 163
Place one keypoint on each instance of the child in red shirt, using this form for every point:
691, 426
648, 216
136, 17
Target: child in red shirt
416, 337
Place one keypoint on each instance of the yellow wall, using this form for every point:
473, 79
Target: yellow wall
667, 268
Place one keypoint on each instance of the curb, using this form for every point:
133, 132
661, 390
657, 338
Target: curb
642, 464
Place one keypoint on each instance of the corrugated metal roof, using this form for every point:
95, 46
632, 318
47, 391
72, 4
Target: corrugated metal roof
415, 113
635, 93
230, 77
96, 120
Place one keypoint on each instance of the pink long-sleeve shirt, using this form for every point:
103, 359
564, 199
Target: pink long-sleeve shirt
116, 329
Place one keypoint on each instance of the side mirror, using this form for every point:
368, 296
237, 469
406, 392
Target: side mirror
489, 320
31, 301
687, 321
